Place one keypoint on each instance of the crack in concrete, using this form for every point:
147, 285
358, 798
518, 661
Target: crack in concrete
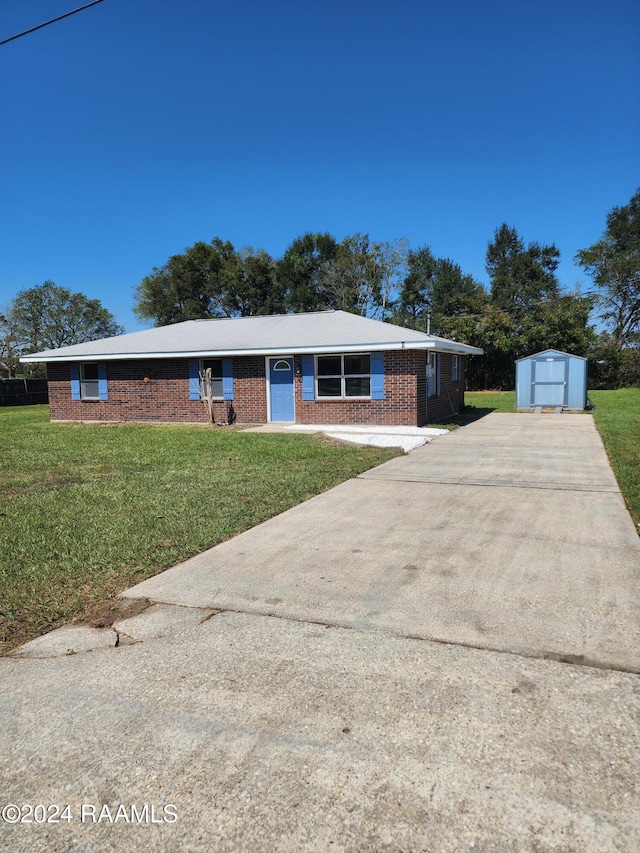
531, 654
508, 484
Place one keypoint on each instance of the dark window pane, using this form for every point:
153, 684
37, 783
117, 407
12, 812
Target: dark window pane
216, 367
329, 388
329, 365
356, 364
90, 370
358, 387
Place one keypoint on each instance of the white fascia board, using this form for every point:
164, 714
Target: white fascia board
461, 349
452, 347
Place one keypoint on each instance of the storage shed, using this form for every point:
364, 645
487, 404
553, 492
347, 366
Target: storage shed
551, 379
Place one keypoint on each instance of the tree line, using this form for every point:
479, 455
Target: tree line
524, 310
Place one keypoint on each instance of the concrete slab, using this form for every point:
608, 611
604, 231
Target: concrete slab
270, 735
407, 438
544, 563
280, 732
554, 451
529, 571
68, 640
160, 620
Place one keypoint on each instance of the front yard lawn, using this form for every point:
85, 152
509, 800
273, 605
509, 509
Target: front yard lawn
87, 511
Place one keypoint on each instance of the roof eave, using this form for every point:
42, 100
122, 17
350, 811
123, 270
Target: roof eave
441, 346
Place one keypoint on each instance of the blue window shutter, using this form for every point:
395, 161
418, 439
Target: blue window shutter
102, 381
227, 379
377, 376
75, 381
308, 379
438, 361
194, 379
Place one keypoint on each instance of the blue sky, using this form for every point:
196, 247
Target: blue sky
133, 129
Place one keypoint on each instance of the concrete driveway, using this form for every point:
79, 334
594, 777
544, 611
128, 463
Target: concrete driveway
440, 655
510, 535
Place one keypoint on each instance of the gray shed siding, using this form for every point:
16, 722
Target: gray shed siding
551, 378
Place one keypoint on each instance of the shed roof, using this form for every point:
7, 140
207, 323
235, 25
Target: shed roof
550, 352
322, 331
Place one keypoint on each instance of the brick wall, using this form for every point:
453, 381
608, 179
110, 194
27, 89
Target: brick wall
397, 409
451, 397
158, 390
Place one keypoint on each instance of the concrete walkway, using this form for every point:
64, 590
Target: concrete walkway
407, 438
439, 656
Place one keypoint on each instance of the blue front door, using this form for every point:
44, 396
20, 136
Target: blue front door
281, 389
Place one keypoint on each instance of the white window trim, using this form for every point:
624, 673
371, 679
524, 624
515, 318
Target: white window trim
432, 371
342, 378
456, 368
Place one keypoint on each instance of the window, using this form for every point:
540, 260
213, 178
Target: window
221, 377
456, 368
433, 374
215, 366
343, 375
89, 381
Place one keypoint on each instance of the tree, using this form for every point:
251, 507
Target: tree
254, 288
415, 303
301, 270
47, 317
352, 281
525, 289
9, 348
317, 273
391, 259
612, 366
520, 275
190, 286
436, 294
210, 280
614, 264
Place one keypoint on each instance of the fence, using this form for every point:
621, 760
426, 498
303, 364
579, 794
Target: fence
23, 392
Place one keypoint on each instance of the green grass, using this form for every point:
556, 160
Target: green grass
479, 403
86, 511
617, 417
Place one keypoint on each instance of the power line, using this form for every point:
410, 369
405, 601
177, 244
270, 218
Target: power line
52, 21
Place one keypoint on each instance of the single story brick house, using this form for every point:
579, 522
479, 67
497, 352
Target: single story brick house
326, 367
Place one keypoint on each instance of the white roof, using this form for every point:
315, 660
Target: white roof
279, 334
554, 351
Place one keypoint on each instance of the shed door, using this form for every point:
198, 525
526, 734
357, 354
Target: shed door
549, 381
281, 389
